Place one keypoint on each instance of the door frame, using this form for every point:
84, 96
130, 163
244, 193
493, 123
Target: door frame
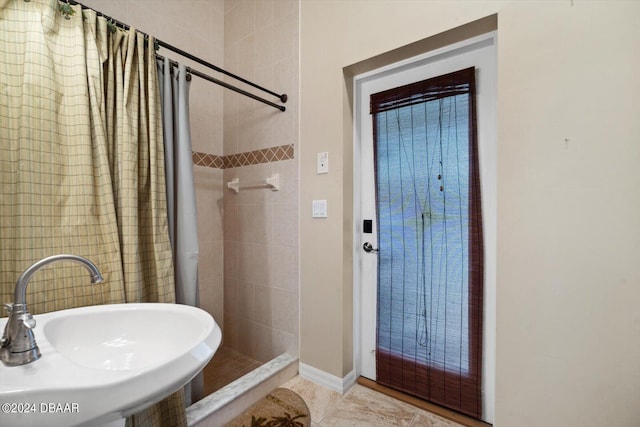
488, 173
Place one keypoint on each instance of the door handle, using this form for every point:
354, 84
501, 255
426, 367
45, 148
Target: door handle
368, 247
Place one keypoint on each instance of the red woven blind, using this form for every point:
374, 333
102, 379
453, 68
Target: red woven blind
430, 259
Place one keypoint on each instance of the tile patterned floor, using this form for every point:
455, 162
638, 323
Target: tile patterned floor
226, 366
361, 407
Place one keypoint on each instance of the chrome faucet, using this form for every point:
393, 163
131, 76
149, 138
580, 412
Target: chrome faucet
18, 345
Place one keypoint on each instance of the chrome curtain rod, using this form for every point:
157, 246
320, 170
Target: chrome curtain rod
282, 97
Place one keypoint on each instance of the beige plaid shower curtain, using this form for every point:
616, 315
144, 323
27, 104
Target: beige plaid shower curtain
82, 164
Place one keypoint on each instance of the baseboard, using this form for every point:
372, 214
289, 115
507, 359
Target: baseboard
341, 385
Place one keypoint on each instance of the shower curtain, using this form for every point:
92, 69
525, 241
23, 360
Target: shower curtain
181, 196
82, 165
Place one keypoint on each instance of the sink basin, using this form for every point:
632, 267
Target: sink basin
101, 363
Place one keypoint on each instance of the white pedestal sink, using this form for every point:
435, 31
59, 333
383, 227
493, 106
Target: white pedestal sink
101, 363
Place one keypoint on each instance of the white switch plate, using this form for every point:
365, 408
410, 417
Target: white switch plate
319, 209
323, 162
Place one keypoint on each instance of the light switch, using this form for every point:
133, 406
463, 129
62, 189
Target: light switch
319, 209
323, 162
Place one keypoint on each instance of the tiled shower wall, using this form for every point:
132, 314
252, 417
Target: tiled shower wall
260, 225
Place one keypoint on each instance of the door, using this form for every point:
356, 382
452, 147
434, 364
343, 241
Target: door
411, 217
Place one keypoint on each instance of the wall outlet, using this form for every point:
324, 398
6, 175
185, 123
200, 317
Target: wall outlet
323, 162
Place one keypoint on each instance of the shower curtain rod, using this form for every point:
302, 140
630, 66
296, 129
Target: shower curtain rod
282, 97
224, 84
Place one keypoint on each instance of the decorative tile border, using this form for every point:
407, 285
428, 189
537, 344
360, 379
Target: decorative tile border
208, 160
266, 155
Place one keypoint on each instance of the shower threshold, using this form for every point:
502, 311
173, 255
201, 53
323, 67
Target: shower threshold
231, 400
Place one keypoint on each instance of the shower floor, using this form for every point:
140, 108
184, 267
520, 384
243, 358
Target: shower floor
226, 366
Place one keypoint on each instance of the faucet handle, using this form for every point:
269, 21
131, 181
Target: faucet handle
27, 320
8, 307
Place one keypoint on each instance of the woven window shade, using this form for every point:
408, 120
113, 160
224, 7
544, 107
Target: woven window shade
430, 260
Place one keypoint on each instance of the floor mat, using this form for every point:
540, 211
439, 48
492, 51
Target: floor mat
280, 408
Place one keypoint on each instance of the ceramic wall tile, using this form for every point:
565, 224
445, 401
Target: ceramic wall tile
259, 141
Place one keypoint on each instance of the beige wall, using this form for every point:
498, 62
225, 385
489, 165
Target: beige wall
568, 284
198, 28
261, 226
